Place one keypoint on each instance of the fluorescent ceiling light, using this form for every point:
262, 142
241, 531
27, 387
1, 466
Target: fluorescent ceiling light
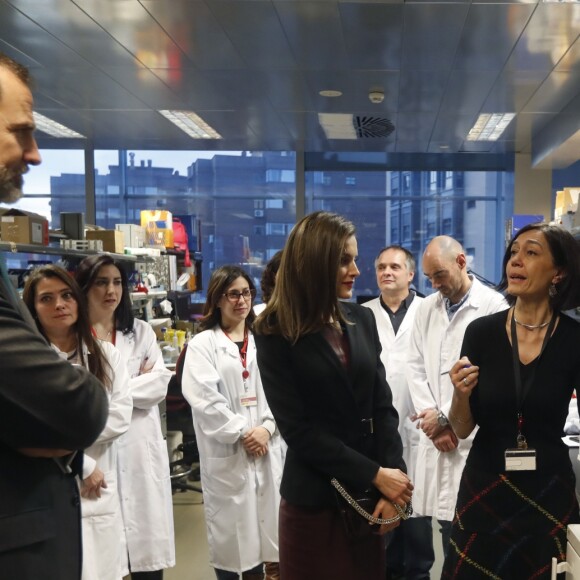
191, 124
330, 93
490, 126
54, 129
337, 125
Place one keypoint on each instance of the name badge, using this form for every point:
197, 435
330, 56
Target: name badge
520, 460
249, 399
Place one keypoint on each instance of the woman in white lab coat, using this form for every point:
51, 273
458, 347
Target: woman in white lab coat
144, 484
61, 313
239, 445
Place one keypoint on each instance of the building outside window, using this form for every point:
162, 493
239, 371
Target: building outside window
245, 203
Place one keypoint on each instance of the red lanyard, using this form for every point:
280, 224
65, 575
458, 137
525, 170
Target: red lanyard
113, 335
243, 354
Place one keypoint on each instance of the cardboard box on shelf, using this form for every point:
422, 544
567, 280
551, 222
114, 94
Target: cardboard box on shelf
566, 201
23, 227
113, 240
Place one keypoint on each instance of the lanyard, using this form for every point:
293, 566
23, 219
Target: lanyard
113, 335
243, 355
522, 390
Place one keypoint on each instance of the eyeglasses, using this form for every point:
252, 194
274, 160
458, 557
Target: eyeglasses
234, 296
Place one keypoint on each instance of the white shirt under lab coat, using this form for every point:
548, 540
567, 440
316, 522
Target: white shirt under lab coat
104, 554
395, 349
435, 346
143, 466
241, 493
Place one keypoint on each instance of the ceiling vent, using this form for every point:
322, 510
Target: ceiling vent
372, 127
347, 126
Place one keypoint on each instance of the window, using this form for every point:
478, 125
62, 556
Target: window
280, 176
395, 183
395, 227
278, 229
229, 197
318, 177
449, 180
406, 223
222, 190
382, 217
350, 180
56, 185
270, 253
432, 181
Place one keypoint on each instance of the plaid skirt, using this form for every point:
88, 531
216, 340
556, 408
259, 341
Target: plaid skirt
509, 526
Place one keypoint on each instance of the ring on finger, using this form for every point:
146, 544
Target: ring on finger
465, 381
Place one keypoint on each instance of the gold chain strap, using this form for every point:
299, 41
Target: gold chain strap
403, 514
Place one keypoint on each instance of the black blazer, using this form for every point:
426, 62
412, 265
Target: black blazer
319, 408
44, 403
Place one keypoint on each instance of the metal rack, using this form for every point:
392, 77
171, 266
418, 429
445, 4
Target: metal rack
58, 251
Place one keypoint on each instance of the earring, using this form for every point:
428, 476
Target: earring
552, 290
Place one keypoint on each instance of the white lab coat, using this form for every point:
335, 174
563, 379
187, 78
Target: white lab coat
104, 553
572, 425
143, 467
241, 493
435, 346
395, 349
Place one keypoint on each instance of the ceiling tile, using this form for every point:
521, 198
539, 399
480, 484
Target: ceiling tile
380, 45
430, 35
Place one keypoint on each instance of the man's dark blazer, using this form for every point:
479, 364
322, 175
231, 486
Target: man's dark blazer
44, 403
319, 408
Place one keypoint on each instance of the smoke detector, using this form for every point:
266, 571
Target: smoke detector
376, 97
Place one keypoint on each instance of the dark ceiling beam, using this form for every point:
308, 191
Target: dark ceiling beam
558, 144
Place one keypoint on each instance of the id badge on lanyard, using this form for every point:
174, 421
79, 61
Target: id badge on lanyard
249, 399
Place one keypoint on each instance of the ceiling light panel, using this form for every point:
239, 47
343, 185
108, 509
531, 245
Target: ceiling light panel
490, 126
337, 125
191, 124
54, 129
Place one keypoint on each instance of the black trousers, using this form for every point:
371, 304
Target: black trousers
156, 575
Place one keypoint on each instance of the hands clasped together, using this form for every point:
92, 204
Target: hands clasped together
442, 436
255, 441
396, 488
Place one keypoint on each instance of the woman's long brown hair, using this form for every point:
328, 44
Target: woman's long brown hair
98, 364
304, 297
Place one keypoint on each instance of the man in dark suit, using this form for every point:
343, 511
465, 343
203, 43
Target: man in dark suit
48, 408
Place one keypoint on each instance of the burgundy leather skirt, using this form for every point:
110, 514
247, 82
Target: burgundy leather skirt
314, 546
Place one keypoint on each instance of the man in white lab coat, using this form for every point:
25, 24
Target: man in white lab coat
434, 348
410, 552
